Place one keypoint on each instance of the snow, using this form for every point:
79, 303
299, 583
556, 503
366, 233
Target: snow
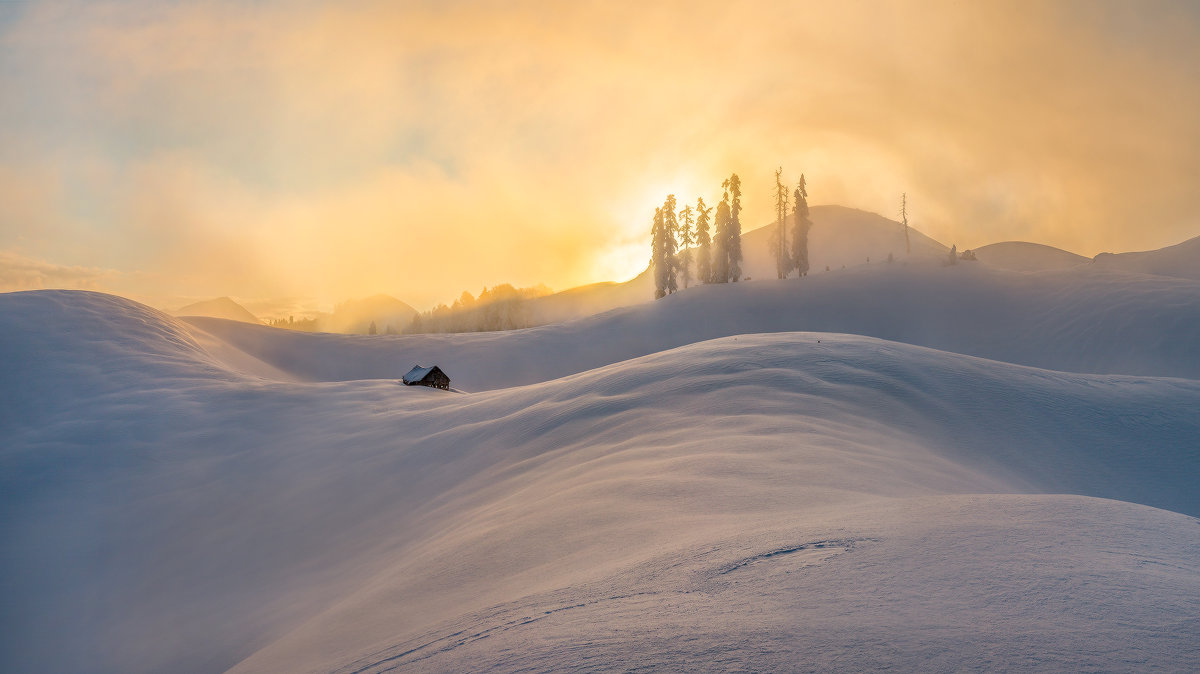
847, 238
1078, 320
1179, 260
655, 486
1026, 256
417, 373
840, 237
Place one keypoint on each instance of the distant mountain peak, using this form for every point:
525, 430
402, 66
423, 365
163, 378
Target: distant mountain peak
219, 307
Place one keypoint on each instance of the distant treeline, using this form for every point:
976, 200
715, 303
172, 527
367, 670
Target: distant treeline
304, 324
501, 307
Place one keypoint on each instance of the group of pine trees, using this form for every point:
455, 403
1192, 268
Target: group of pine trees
679, 239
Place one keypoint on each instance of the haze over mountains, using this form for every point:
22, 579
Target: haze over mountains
221, 307
356, 316
840, 237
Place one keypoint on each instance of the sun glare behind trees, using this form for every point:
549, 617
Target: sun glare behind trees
679, 239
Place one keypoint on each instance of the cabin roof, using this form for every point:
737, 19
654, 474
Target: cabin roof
418, 373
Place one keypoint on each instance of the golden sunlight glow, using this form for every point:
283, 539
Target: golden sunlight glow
337, 150
620, 262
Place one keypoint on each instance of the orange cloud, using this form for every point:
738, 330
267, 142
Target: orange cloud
334, 150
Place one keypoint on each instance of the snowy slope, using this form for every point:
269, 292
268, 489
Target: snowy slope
791, 500
1026, 256
1080, 320
945, 584
1181, 260
591, 299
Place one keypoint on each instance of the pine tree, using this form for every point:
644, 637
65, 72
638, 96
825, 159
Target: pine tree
657, 261
670, 226
800, 226
953, 254
720, 259
904, 216
686, 240
371, 329
733, 246
703, 258
779, 247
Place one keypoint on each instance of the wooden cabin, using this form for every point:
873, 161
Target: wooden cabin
431, 376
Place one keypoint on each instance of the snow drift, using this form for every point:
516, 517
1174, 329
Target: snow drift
175, 501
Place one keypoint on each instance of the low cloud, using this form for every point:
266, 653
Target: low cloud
419, 149
18, 272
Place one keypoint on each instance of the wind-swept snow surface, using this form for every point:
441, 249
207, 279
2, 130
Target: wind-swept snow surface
794, 500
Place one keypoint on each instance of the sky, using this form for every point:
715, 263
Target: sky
296, 154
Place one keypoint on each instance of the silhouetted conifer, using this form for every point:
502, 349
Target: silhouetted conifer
670, 246
703, 252
658, 263
800, 226
720, 258
686, 240
779, 247
733, 246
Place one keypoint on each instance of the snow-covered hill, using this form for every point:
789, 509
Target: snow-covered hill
840, 237
1181, 260
174, 500
1025, 256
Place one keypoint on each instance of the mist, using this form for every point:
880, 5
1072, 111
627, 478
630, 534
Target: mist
330, 152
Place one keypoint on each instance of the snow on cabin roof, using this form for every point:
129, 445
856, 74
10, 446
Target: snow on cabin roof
418, 373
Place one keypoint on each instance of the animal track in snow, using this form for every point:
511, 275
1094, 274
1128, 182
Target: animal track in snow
806, 554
